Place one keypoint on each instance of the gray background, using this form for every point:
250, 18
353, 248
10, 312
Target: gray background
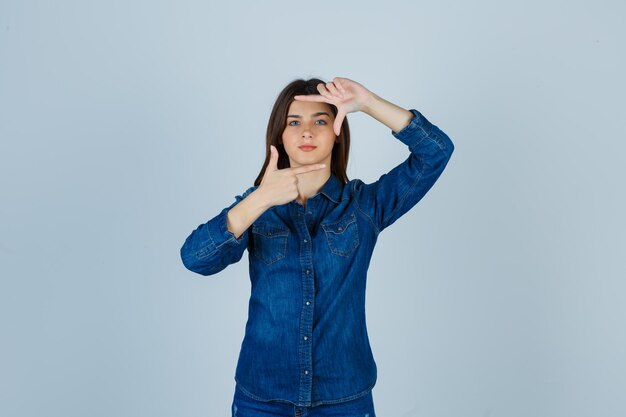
124, 125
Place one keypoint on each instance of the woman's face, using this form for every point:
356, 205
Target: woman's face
309, 123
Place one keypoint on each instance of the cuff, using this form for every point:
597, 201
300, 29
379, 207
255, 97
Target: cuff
418, 128
219, 233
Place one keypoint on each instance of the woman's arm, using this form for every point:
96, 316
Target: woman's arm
211, 247
222, 240
398, 190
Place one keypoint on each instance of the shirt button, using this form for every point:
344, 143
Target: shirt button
305, 240
307, 271
306, 372
306, 338
308, 303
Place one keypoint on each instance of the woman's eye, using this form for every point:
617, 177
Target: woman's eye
295, 121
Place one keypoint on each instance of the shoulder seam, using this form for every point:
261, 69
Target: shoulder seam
356, 202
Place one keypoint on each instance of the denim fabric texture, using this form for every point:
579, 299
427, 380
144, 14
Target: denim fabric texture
306, 338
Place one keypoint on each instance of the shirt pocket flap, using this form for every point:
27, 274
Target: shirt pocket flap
269, 230
339, 226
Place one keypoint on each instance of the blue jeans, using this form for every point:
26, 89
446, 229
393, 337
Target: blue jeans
244, 406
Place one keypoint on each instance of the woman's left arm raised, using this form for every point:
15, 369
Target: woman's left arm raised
401, 188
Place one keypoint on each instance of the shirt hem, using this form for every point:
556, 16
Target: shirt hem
359, 394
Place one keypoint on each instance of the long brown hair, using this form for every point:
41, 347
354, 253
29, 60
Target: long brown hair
278, 121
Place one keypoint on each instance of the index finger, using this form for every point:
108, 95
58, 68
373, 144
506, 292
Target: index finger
306, 168
312, 97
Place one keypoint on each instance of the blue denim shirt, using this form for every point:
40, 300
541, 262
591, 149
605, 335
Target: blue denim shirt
306, 339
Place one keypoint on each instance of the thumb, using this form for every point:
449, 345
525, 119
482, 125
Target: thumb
272, 165
341, 114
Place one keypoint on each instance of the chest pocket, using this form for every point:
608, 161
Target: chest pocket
270, 241
342, 236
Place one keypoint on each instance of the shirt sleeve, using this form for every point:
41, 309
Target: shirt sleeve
211, 247
397, 191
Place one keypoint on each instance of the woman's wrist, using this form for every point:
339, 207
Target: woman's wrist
370, 103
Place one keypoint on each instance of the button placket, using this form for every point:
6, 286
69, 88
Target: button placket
301, 218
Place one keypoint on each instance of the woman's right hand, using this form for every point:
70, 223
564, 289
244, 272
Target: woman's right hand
280, 186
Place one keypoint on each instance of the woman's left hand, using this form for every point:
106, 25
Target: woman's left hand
345, 94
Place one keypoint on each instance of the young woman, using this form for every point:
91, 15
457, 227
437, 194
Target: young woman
310, 234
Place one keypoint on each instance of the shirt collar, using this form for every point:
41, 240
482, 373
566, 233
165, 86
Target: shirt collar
332, 188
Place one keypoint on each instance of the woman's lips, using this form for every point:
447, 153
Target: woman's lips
307, 148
